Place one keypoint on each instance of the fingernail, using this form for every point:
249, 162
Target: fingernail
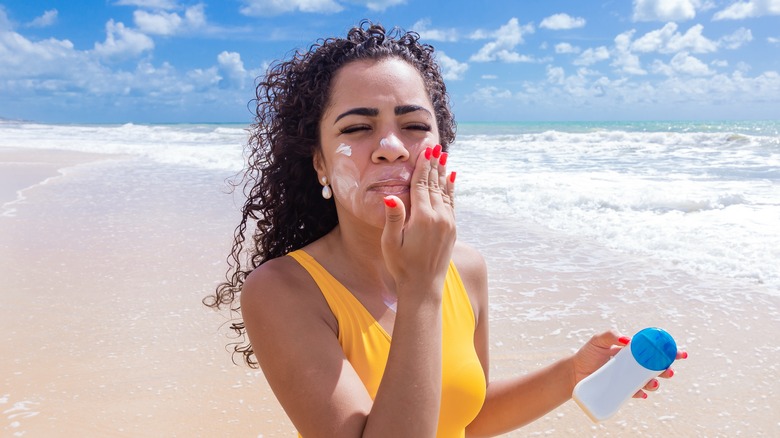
452, 177
390, 202
685, 355
443, 158
655, 383
644, 395
624, 340
671, 372
436, 151
428, 152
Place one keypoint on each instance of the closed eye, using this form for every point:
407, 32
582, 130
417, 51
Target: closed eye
419, 126
354, 128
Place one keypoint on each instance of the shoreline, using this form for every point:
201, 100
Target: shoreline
23, 169
102, 271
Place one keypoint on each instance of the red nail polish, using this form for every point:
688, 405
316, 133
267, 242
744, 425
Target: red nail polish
390, 202
671, 372
452, 177
624, 340
428, 152
437, 151
644, 395
655, 383
685, 355
443, 158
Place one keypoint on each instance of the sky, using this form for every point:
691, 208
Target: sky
180, 61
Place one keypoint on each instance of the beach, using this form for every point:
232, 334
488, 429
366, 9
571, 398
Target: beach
104, 259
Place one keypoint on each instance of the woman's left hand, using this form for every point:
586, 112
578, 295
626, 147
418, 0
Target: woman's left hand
600, 348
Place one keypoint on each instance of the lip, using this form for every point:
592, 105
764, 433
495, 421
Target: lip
390, 186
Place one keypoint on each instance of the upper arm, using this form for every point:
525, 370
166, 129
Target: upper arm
473, 271
293, 335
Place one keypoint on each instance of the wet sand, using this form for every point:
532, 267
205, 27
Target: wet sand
102, 269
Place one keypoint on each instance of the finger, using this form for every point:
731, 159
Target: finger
451, 188
640, 394
439, 196
395, 216
442, 165
433, 177
668, 373
681, 354
420, 184
608, 339
652, 385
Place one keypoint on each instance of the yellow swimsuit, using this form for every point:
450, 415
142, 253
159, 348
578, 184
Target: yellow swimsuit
366, 345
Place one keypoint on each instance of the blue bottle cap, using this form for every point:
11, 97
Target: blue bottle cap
654, 349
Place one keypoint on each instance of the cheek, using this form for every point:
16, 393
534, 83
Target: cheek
345, 179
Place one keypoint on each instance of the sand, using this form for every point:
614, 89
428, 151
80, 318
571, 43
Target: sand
103, 266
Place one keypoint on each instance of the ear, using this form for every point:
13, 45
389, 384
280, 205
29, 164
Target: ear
319, 163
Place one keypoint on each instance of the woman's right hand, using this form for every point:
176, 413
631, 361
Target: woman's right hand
421, 247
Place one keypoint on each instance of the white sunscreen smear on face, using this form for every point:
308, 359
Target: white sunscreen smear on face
344, 149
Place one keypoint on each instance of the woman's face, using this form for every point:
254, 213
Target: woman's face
378, 120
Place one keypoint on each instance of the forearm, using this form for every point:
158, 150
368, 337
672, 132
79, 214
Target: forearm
513, 403
407, 402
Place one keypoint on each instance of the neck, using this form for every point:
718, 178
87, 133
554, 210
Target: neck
358, 252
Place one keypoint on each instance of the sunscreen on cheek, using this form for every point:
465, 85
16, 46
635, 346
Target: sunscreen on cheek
346, 176
344, 149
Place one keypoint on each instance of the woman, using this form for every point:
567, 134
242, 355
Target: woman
355, 245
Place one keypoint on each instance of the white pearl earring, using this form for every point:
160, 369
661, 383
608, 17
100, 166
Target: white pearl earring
327, 193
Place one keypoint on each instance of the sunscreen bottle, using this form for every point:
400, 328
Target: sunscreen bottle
648, 354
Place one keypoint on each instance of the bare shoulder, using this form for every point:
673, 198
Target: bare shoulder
281, 288
473, 271
470, 262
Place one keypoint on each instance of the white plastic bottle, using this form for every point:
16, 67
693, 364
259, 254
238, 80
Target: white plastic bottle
648, 354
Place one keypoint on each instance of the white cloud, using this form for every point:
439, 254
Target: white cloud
232, 66
691, 88
773, 40
52, 73
264, 8
452, 70
489, 95
668, 40
749, 9
592, 56
122, 42
564, 48
562, 22
150, 4
427, 34
665, 10
489, 77
379, 5
623, 59
689, 65
507, 37
47, 19
555, 75
203, 79
21, 58
170, 23
737, 39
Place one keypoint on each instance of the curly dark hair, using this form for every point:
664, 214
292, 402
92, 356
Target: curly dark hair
280, 183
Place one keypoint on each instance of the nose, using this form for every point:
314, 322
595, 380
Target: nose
390, 149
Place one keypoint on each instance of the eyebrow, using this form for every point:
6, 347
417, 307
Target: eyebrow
373, 112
